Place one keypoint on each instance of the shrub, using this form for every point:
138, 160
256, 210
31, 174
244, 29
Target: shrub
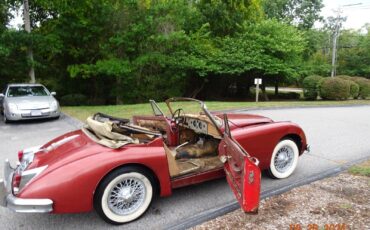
354, 89
73, 99
333, 88
286, 96
364, 85
344, 77
310, 87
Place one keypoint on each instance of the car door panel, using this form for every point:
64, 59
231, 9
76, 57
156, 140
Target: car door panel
242, 172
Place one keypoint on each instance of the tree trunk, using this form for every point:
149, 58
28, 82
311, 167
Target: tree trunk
265, 96
276, 87
118, 86
27, 26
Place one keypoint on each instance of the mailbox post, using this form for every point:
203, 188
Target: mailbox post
257, 82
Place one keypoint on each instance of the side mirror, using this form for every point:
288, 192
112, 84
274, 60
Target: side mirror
53, 93
2, 95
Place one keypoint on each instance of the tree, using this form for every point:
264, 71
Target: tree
226, 17
353, 53
302, 13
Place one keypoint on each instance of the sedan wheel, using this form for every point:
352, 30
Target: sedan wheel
124, 195
5, 119
284, 159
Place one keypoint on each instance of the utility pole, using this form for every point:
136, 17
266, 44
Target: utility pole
27, 26
338, 24
335, 37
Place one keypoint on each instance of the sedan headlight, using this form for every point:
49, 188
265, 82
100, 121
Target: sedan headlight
12, 107
54, 105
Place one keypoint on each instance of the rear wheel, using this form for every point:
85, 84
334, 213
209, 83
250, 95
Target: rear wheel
284, 159
124, 195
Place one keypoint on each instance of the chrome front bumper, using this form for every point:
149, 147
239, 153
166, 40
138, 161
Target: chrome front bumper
23, 205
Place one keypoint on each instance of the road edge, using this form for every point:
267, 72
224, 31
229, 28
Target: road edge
216, 212
72, 121
287, 107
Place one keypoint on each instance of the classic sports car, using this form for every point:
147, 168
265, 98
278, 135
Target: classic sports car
117, 166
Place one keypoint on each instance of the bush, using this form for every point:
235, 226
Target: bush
364, 85
73, 99
286, 96
310, 87
344, 77
333, 88
354, 89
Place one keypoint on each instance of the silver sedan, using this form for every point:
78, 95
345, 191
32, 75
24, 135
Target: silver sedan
28, 101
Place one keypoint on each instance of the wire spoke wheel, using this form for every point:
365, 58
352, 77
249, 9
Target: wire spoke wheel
284, 159
124, 195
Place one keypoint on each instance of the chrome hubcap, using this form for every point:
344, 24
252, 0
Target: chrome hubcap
126, 196
284, 159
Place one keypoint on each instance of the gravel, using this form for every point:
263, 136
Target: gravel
342, 202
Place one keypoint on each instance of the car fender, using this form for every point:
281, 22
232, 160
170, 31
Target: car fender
71, 187
260, 140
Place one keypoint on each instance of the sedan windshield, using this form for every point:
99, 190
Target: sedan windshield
24, 91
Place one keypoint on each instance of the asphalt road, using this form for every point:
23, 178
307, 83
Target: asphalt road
337, 135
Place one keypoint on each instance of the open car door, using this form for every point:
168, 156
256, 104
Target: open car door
242, 171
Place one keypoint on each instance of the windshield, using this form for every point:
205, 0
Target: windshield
24, 91
184, 106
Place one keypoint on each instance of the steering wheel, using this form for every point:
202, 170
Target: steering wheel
177, 118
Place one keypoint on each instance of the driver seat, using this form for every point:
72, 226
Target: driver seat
183, 166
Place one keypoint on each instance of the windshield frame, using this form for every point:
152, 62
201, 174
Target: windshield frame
202, 106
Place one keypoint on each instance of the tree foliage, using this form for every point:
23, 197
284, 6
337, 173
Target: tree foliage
125, 51
303, 13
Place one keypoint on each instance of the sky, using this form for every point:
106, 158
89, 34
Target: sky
357, 15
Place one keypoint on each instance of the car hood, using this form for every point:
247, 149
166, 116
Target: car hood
66, 149
32, 102
242, 120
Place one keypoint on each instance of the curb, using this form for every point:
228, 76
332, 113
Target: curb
71, 120
216, 212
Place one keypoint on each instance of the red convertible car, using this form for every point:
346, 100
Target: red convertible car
117, 166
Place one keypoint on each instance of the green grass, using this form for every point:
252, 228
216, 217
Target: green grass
362, 169
127, 111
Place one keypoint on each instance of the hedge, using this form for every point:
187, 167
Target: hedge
354, 89
73, 99
286, 96
364, 85
310, 87
334, 88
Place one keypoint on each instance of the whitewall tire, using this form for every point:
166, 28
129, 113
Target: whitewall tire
284, 159
124, 195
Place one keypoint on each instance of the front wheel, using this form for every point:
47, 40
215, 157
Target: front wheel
284, 159
124, 195
5, 119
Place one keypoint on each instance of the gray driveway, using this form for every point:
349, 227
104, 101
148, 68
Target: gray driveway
337, 135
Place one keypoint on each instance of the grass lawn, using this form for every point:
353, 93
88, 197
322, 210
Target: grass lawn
362, 169
127, 111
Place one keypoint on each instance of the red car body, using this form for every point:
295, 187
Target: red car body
77, 164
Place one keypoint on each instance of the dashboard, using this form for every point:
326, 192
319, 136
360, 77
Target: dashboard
197, 125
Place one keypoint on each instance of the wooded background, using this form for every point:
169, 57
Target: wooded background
127, 51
